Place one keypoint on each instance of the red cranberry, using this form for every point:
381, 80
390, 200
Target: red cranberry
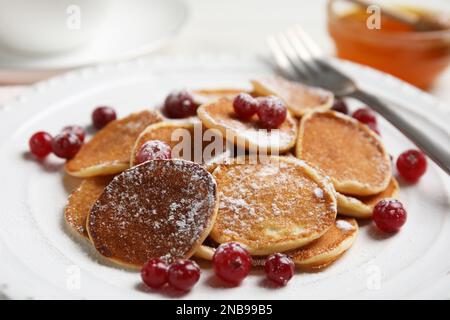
180, 104
389, 215
102, 116
40, 144
155, 273
279, 268
231, 262
365, 116
411, 165
271, 112
184, 274
340, 106
374, 127
79, 131
66, 145
153, 150
245, 106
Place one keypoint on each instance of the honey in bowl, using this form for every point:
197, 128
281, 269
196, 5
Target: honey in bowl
398, 48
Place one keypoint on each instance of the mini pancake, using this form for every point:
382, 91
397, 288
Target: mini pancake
108, 152
312, 257
212, 163
81, 201
206, 250
203, 96
181, 136
247, 134
161, 208
272, 205
362, 207
298, 98
325, 250
347, 151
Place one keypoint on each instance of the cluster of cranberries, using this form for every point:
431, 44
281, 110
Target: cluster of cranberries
68, 142
271, 110
231, 263
389, 214
181, 275
65, 145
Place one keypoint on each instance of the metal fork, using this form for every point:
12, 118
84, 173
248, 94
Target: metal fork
299, 58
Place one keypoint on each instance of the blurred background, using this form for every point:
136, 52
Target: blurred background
42, 38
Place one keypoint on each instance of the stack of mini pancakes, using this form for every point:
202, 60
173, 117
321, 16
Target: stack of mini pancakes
330, 170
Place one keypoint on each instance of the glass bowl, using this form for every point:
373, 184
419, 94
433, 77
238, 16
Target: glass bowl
417, 57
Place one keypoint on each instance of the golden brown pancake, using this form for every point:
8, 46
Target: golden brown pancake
325, 250
277, 204
298, 98
362, 207
347, 151
108, 152
206, 250
181, 136
247, 134
161, 208
203, 96
212, 163
312, 257
81, 201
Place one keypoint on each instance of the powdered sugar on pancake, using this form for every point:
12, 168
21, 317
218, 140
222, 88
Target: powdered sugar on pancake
268, 203
344, 225
318, 192
249, 134
161, 208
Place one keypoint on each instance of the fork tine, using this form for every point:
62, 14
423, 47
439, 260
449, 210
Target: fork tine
312, 47
302, 51
281, 54
281, 59
299, 66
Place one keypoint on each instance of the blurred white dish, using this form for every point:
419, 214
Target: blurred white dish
50, 26
40, 259
131, 28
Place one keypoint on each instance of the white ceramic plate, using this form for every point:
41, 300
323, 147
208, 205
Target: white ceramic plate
131, 28
40, 259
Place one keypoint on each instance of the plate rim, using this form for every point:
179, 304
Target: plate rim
77, 75
91, 70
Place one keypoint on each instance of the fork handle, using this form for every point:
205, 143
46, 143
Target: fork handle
425, 136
